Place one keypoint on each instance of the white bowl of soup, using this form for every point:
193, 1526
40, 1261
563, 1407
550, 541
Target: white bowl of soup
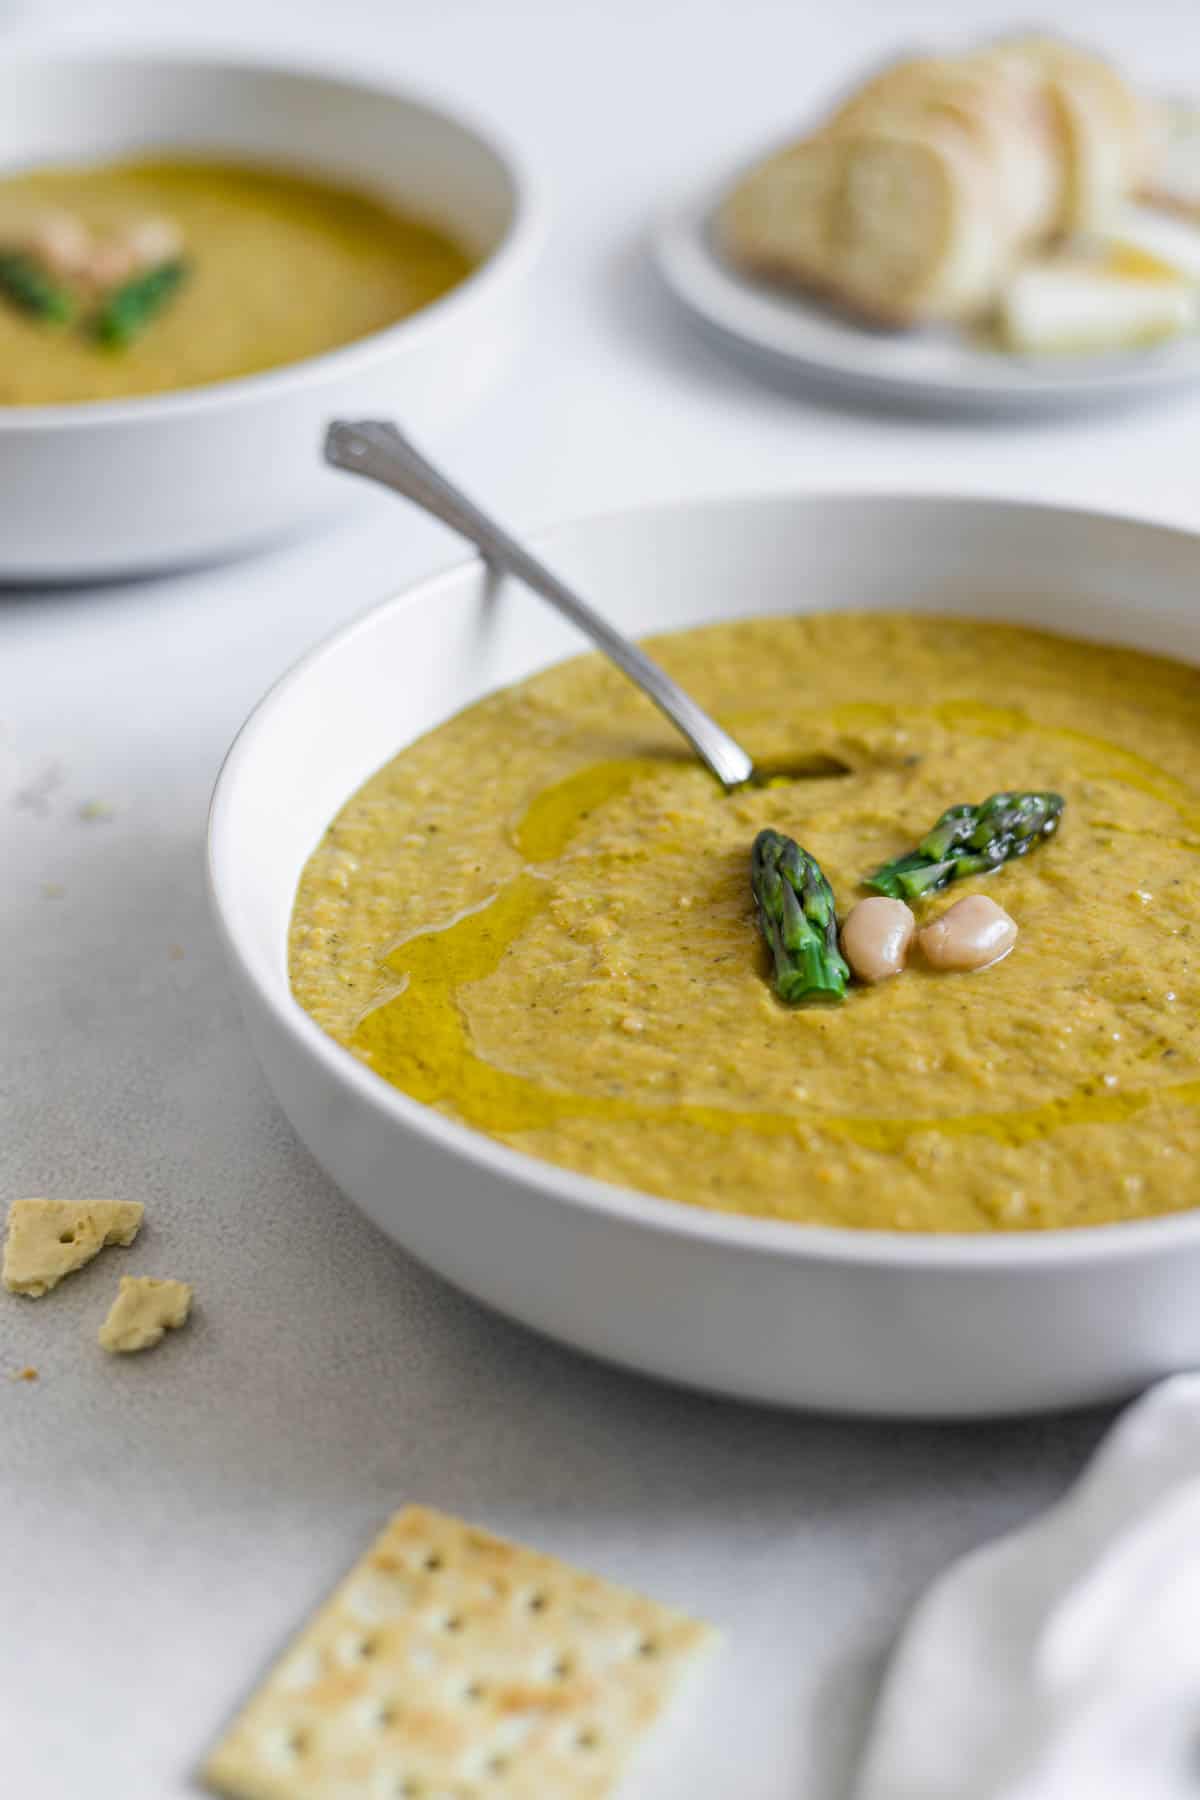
202, 261
493, 933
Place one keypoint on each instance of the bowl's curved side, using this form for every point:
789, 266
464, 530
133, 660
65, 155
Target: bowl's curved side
866, 1322
242, 457
141, 495
834, 1333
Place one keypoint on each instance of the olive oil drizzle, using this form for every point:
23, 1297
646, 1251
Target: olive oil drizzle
554, 816
419, 1037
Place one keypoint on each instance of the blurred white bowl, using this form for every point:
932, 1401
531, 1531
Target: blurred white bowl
110, 488
802, 1315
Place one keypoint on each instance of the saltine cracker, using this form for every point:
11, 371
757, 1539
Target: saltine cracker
451, 1663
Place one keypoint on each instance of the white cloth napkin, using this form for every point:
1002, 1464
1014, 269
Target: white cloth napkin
1063, 1662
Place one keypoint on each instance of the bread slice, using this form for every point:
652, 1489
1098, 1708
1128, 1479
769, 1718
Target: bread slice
918, 231
1002, 112
1173, 180
1106, 131
778, 220
896, 223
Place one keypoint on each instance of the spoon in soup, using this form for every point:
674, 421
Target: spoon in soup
377, 450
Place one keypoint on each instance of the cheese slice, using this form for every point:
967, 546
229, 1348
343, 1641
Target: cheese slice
143, 1312
1154, 246
48, 1239
1077, 308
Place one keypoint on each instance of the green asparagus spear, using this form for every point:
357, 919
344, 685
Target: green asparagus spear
971, 840
26, 285
129, 309
797, 918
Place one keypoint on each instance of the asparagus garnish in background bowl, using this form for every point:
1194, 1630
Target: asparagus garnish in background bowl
60, 273
31, 289
128, 309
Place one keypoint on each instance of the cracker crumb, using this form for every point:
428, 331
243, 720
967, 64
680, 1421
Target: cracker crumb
28, 1373
94, 810
48, 1239
144, 1310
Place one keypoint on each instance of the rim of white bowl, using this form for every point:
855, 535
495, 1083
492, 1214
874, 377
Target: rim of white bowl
1031, 1251
519, 246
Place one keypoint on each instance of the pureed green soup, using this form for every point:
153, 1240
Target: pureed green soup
538, 920
269, 267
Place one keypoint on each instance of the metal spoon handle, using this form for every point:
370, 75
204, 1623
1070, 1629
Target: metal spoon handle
377, 450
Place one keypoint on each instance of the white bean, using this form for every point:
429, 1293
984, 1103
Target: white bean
62, 243
153, 241
876, 936
972, 934
111, 264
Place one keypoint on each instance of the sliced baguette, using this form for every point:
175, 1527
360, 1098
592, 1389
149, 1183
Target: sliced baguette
927, 186
1174, 179
778, 220
1106, 131
918, 233
895, 223
1002, 111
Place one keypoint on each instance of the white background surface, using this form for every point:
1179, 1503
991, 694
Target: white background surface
167, 1521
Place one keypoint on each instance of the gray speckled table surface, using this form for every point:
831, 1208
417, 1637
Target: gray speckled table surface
168, 1520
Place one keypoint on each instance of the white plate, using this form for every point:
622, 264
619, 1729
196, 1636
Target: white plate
801, 1315
107, 488
937, 369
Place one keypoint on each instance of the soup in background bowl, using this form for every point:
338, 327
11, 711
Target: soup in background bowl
267, 267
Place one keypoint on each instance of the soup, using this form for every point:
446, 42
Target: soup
538, 920
272, 267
